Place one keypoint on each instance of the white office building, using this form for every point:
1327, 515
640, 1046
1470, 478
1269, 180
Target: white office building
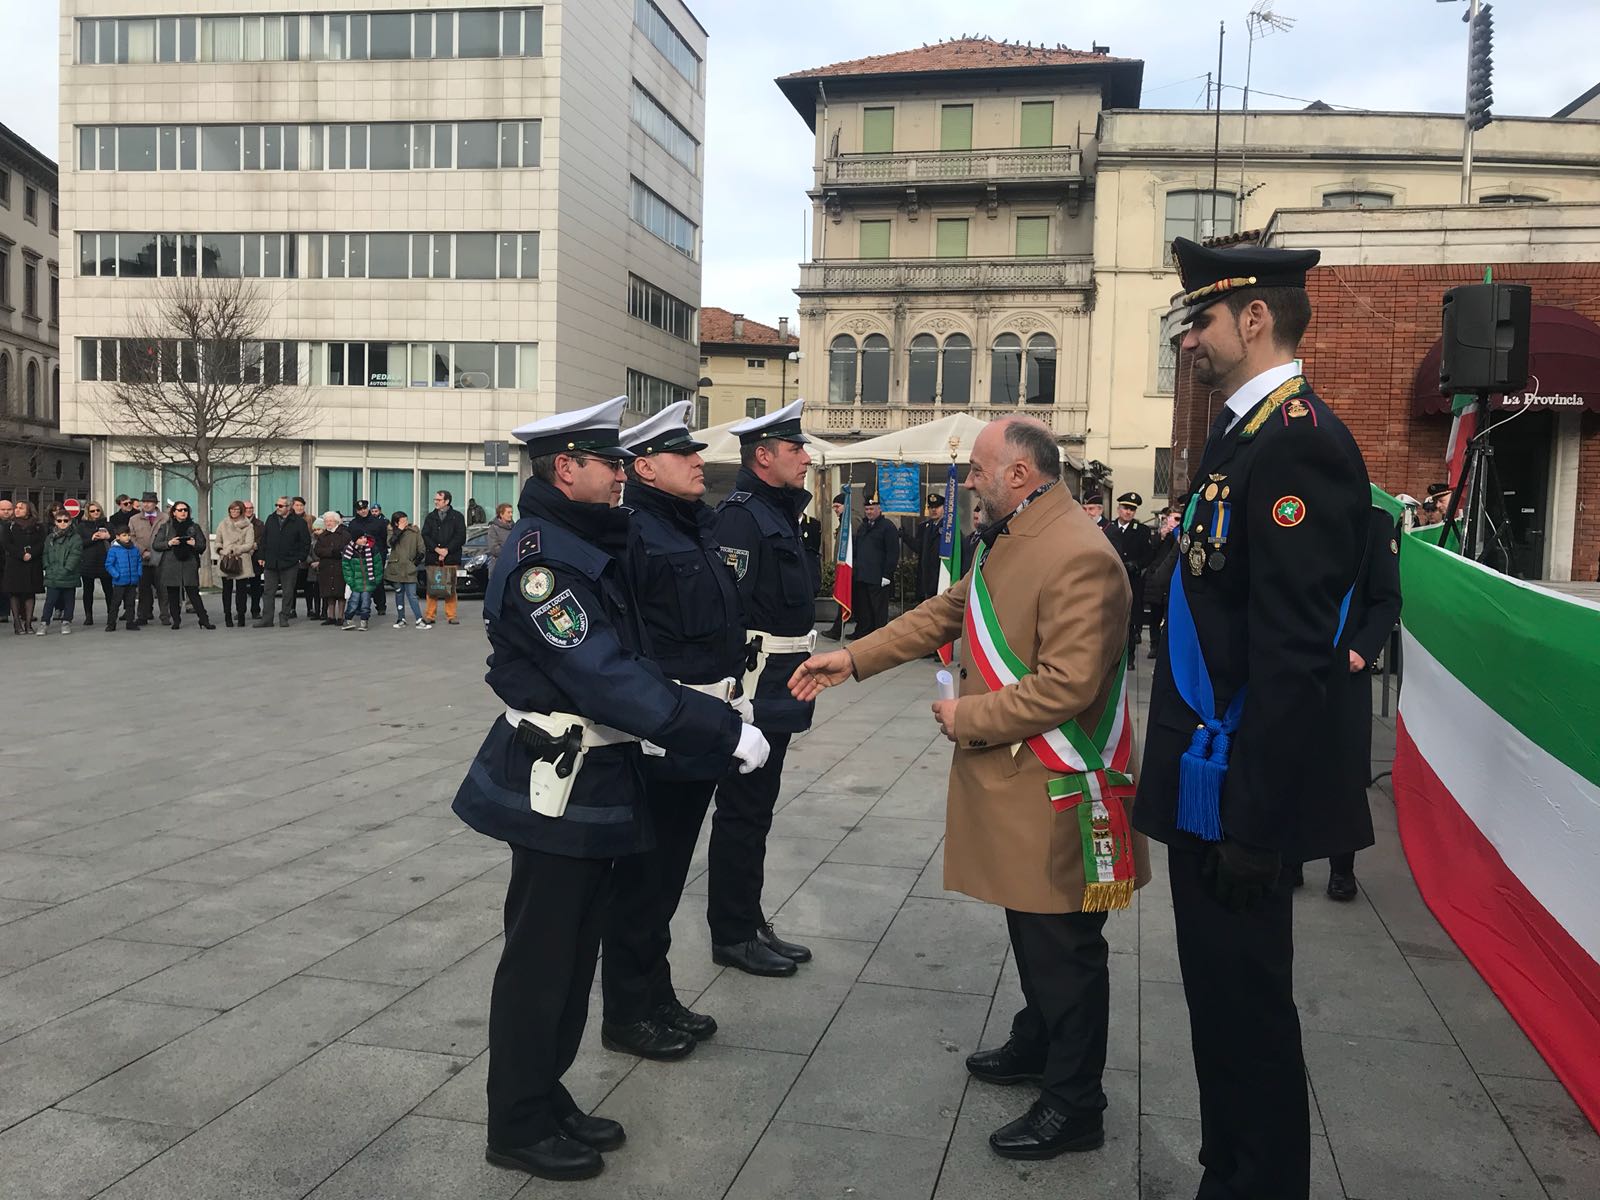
465, 217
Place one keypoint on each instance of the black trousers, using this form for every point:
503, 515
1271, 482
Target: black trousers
151, 594
235, 592
122, 596
738, 858
1066, 987
1255, 1136
1136, 613
89, 583
175, 604
646, 888
555, 907
872, 608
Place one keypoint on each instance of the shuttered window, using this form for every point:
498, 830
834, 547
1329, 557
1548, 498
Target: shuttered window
1033, 236
1038, 122
955, 127
875, 239
952, 238
877, 130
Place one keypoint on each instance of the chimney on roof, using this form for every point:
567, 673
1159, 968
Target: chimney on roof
1097, 48
738, 327
783, 329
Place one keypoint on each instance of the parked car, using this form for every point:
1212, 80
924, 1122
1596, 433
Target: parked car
472, 579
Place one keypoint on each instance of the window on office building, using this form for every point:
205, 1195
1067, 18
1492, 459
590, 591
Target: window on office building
665, 37
648, 395
666, 312
661, 219
1357, 199
652, 117
188, 255
1163, 481
462, 365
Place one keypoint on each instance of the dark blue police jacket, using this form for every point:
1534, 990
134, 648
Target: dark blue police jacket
758, 528
690, 604
564, 635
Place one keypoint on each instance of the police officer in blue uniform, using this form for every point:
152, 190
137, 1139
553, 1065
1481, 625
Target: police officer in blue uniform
1241, 763
696, 634
559, 776
758, 528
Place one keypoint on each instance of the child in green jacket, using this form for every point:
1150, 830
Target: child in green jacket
63, 556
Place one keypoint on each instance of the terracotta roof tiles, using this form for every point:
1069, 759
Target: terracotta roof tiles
716, 327
968, 53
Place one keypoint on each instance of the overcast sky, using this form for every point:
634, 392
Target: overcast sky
1382, 54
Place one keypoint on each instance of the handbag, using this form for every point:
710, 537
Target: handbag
231, 563
441, 582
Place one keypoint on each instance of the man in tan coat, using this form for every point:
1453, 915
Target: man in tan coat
1045, 633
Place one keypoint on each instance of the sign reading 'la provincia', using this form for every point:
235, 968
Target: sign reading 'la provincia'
1537, 400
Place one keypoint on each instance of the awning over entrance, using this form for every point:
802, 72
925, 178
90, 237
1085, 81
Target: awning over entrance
1563, 367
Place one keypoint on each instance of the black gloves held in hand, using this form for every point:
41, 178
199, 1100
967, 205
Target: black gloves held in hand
1240, 875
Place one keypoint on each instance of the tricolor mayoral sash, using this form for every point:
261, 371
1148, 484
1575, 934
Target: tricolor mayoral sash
1096, 773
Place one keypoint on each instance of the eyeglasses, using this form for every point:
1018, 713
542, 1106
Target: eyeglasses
180, 508
280, 506
63, 520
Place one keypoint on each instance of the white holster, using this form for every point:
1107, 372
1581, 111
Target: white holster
558, 742
762, 645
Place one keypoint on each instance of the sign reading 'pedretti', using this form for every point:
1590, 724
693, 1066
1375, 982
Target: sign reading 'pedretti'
1536, 400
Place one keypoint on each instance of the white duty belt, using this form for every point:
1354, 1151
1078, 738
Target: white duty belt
762, 645
558, 743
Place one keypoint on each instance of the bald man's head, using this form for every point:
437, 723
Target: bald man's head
1011, 457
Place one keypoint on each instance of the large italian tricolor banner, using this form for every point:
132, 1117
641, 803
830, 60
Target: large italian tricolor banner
1497, 788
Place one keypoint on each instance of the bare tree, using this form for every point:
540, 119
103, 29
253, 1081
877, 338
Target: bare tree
198, 388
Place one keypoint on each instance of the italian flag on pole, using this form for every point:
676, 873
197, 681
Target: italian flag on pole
949, 548
1497, 789
843, 558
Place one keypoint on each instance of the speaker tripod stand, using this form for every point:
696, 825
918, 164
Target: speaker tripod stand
1487, 535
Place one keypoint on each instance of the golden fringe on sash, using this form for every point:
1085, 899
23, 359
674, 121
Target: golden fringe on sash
1105, 897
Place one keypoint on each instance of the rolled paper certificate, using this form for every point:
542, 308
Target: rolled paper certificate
947, 685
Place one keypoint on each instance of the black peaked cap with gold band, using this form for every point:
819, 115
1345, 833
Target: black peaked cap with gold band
783, 424
1210, 274
665, 433
593, 430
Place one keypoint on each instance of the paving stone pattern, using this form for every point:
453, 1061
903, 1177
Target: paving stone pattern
245, 951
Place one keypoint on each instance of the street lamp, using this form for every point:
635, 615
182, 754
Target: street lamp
783, 377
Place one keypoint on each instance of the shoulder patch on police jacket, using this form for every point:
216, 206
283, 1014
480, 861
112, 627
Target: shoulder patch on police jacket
738, 559
537, 584
528, 544
737, 497
562, 621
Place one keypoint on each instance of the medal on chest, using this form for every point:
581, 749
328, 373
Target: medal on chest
1208, 524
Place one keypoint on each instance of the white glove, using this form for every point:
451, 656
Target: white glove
746, 709
752, 750
651, 750
885, 583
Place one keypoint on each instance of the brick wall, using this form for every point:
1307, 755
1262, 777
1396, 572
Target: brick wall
1371, 327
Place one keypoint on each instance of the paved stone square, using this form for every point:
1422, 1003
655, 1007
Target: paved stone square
245, 951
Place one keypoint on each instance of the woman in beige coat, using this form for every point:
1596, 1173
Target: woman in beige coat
1061, 598
235, 544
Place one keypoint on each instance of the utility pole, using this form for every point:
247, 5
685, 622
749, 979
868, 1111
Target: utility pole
1216, 141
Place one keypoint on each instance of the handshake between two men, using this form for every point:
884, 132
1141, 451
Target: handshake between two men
822, 671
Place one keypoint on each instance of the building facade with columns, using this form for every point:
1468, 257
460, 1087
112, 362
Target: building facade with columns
952, 234
419, 191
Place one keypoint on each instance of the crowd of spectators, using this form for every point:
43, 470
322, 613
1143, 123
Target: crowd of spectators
142, 561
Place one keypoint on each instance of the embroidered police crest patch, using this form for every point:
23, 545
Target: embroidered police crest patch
537, 584
1289, 511
738, 559
562, 621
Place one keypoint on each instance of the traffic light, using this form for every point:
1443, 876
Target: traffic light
1480, 68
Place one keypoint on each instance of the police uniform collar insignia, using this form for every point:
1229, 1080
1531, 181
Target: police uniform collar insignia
537, 584
592, 430
562, 621
783, 424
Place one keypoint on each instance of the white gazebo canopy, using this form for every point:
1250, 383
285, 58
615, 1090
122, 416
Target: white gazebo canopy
929, 443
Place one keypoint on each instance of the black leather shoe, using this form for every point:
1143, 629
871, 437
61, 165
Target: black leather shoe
1006, 1065
793, 951
646, 1039
555, 1157
673, 1015
597, 1133
1044, 1132
1341, 886
753, 958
